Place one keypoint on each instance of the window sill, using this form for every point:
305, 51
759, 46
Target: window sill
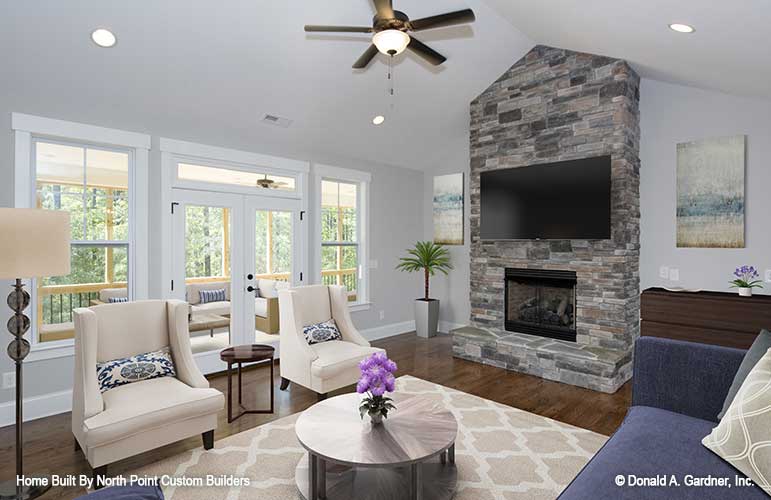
359, 306
41, 352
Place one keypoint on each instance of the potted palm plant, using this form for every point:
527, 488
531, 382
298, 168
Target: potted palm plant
429, 258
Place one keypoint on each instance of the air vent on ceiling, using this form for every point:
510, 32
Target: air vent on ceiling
278, 121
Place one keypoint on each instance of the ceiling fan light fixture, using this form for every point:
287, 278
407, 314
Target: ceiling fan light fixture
391, 42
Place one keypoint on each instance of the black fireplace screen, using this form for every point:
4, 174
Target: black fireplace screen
541, 302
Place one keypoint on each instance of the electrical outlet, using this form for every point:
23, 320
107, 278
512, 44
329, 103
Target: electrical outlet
382, 314
664, 272
674, 274
9, 380
768, 275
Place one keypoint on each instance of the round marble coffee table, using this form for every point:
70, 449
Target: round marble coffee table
410, 455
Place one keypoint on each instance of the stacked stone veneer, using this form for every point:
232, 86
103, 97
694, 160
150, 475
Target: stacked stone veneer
554, 105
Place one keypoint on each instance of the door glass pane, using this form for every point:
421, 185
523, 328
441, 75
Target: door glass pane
207, 276
273, 264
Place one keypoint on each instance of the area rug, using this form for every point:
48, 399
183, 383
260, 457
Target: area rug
502, 453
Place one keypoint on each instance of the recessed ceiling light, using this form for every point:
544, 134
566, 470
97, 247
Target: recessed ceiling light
681, 28
378, 120
103, 37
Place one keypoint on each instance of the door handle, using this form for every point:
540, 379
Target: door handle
250, 288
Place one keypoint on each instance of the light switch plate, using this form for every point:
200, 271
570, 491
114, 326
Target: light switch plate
664, 272
674, 274
382, 314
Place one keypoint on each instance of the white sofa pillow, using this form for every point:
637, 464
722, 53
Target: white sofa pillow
267, 288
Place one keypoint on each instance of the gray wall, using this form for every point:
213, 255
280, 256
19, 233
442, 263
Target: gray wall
671, 114
668, 114
396, 210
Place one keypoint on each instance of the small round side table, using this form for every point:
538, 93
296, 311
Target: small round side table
254, 353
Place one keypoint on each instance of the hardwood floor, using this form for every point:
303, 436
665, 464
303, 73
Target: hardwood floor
49, 447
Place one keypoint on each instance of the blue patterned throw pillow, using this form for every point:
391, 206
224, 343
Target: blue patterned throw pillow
117, 372
207, 296
322, 332
116, 300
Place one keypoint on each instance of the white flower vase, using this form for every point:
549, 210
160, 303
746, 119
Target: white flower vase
745, 292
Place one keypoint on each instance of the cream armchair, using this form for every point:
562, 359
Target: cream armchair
137, 417
326, 366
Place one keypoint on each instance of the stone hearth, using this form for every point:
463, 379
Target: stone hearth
555, 105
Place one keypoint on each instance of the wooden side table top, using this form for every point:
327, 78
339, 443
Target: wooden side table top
418, 429
247, 353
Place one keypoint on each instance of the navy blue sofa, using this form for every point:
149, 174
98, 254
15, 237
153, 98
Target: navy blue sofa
678, 389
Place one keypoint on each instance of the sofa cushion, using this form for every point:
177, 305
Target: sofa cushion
267, 288
758, 349
106, 294
649, 443
208, 296
192, 289
135, 408
117, 300
325, 331
336, 356
220, 308
742, 436
146, 366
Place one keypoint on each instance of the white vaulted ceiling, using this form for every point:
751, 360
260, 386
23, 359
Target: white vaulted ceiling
208, 71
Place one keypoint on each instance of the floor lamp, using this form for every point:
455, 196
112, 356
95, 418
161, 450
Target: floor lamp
33, 244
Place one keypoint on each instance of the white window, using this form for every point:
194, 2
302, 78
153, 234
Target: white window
341, 230
93, 174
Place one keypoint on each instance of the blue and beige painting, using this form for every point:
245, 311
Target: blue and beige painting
710, 193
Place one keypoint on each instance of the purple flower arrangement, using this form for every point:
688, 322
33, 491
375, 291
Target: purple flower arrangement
745, 279
377, 378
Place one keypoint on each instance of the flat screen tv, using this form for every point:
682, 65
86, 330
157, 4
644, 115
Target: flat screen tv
567, 200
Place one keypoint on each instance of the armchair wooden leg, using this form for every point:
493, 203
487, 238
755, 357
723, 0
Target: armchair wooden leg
321, 397
99, 475
284, 383
208, 440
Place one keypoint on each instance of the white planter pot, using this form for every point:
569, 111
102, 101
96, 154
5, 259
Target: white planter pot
745, 292
426, 317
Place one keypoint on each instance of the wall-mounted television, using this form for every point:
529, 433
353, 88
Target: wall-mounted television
566, 200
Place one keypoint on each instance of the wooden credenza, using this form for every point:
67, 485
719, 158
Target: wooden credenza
708, 317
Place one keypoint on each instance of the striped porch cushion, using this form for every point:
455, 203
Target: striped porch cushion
207, 296
116, 300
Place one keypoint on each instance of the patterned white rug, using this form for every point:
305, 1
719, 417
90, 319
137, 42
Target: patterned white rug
502, 453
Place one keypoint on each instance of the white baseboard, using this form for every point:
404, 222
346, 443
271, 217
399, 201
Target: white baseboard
381, 332
36, 407
60, 402
448, 326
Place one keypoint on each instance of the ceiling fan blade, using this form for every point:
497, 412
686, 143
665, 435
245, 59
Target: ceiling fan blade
366, 57
426, 52
313, 28
385, 9
443, 20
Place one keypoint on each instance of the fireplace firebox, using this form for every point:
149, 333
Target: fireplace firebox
541, 302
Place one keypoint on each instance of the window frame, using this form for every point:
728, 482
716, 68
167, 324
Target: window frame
362, 181
28, 130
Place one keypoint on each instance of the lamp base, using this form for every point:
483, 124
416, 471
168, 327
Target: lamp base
8, 490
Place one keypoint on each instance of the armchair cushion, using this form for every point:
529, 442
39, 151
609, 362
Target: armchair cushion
133, 409
337, 356
122, 371
322, 332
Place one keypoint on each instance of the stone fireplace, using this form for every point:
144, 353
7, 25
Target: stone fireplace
556, 105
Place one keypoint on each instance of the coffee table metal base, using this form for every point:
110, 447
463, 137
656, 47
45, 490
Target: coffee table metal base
435, 479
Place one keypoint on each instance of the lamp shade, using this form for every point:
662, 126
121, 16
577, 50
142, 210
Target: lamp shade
34, 243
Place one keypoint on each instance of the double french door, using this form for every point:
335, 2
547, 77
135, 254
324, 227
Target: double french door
231, 253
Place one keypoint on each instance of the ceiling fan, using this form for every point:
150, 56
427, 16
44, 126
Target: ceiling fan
270, 183
390, 32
